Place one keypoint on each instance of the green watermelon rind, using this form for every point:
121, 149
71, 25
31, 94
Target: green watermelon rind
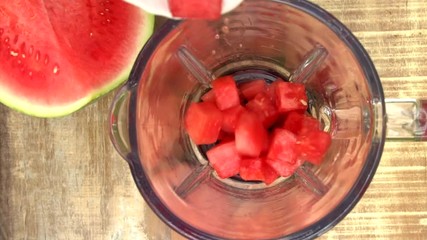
25, 106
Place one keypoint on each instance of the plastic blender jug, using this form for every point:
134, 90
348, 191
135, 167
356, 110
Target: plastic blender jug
261, 39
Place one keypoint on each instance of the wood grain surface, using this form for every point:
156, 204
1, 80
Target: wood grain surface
62, 179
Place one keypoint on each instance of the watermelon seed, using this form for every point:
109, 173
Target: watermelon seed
108, 20
6, 40
101, 13
303, 102
56, 69
13, 53
22, 50
30, 73
107, 10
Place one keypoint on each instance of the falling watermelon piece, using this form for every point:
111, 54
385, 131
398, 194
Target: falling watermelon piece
201, 9
56, 56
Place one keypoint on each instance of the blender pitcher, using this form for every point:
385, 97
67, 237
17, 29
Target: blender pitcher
261, 39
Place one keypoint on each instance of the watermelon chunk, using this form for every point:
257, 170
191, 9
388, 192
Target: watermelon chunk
299, 123
224, 159
265, 108
250, 135
285, 169
270, 175
203, 122
290, 96
250, 89
271, 89
256, 169
313, 145
57, 56
209, 96
282, 147
201, 9
226, 93
230, 118
251, 169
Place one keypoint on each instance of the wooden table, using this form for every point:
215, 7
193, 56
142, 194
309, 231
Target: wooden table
62, 179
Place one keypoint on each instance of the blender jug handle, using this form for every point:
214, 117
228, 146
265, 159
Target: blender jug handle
406, 119
119, 122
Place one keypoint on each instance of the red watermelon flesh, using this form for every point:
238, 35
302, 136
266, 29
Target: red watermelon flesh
56, 55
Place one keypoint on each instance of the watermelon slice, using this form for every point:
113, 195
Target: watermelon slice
56, 56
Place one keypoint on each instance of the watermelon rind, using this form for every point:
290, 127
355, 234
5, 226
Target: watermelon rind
25, 106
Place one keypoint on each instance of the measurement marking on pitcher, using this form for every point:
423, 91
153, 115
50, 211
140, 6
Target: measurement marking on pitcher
194, 66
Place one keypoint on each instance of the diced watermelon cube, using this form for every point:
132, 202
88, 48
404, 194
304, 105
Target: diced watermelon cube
250, 134
256, 169
203, 122
201, 9
230, 117
290, 96
313, 145
282, 151
225, 159
250, 89
209, 97
285, 169
251, 169
226, 93
299, 123
265, 108
271, 89
270, 175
